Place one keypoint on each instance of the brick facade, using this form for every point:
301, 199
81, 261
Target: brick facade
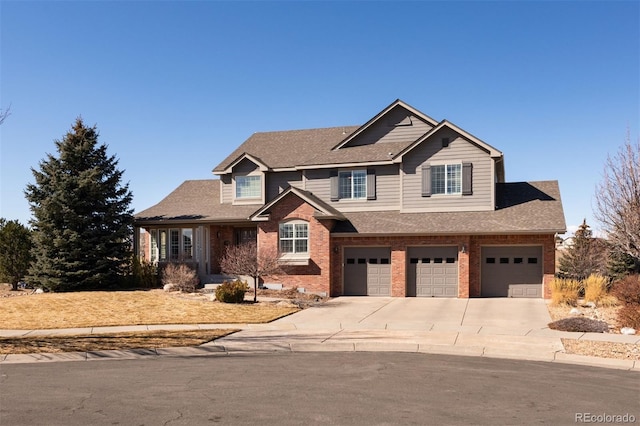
315, 276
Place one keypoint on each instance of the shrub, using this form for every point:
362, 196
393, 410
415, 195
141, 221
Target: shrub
580, 324
595, 290
182, 276
627, 290
231, 291
565, 291
144, 273
629, 316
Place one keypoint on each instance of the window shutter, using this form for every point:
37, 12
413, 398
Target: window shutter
371, 184
333, 180
426, 181
467, 174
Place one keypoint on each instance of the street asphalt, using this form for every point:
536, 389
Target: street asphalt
494, 328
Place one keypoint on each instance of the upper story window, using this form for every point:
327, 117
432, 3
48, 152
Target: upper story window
353, 184
248, 186
446, 179
357, 184
294, 238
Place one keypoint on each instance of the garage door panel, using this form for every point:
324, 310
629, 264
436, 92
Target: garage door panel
367, 271
432, 271
511, 271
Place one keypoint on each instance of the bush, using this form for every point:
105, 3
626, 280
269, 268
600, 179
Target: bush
182, 276
144, 274
627, 290
595, 290
580, 324
629, 316
231, 291
565, 291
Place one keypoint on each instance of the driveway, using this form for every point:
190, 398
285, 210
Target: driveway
498, 315
479, 327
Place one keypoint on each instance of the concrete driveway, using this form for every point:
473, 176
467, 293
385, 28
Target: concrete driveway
477, 327
494, 315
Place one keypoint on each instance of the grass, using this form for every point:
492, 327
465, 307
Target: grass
565, 291
95, 309
108, 341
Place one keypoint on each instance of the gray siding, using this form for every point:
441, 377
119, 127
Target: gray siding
278, 182
397, 126
459, 150
244, 166
226, 189
387, 190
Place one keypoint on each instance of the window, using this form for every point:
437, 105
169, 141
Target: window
353, 184
174, 238
446, 179
294, 238
248, 187
187, 244
171, 244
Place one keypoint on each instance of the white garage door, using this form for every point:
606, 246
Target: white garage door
511, 271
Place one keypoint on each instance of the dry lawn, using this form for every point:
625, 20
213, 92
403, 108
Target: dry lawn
94, 309
108, 341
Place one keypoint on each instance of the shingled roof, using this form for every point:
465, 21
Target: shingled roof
195, 201
522, 208
288, 148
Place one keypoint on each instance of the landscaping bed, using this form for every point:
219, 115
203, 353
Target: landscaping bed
606, 314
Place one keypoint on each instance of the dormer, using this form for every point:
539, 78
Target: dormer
245, 180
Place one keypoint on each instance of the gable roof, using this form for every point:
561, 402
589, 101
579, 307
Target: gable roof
368, 124
523, 208
494, 153
194, 201
319, 148
324, 210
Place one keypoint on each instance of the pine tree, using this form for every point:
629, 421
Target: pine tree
15, 251
82, 221
585, 256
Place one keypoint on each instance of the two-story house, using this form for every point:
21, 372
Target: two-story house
402, 205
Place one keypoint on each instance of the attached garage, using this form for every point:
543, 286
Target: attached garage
367, 271
511, 271
432, 272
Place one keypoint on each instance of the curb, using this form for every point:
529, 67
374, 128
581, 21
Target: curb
212, 349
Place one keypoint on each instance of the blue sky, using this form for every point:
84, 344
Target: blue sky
174, 87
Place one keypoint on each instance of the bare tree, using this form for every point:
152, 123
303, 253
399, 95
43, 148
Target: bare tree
245, 259
4, 113
618, 199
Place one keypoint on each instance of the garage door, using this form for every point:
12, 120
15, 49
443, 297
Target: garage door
432, 272
367, 271
511, 271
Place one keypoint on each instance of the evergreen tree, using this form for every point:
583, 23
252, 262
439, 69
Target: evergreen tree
15, 251
82, 221
585, 256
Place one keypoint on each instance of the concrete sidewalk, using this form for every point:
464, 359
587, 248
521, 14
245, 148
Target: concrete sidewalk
501, 328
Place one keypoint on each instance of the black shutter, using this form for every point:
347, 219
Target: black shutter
371, 184
467, 178
426, 181
333, 180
